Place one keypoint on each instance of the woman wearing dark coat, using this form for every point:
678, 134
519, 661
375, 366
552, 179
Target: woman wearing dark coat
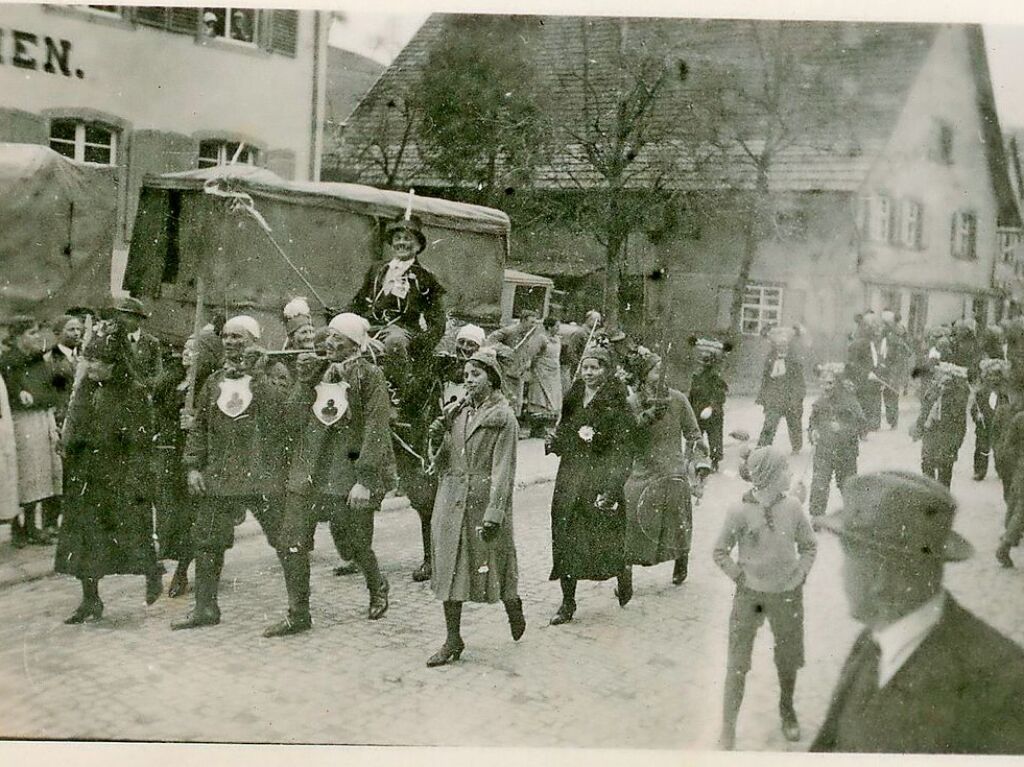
588, 507
472, 540
108, 524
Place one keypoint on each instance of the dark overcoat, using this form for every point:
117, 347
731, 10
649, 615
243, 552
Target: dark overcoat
587, 542
783, 393
425, 299
961, 692
108, 483
941, 440
478, 469
841, 408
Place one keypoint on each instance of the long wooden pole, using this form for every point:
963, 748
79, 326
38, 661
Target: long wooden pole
197, 326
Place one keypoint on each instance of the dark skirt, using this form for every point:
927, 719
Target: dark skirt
658, 519
175, 507
108, 524
586, 542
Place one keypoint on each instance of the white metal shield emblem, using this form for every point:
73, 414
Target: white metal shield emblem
235, 396
331, 402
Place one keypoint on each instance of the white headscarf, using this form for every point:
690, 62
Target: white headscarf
471, 332
352, 326
243, 322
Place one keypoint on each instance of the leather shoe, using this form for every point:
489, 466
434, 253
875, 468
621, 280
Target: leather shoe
422, 573
85, 611
379, 601
288, 627
564, 615
679, 571
196, 620
178, 587
1003, 556
446, 654
790, 725
350, 568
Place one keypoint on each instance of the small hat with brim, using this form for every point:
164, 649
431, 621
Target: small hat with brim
129, 305
898, 515
487, 357
411, 224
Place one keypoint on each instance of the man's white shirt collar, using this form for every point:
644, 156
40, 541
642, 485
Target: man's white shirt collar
898, 641
67, 351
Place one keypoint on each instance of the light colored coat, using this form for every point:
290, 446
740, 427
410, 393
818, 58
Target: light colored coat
478, 468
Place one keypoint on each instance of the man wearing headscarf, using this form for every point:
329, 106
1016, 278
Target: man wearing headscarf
342, 466
236, 453
776, 551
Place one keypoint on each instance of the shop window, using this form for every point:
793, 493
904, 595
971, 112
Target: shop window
762, 308
84, 141
215, 152
964, 235
235, 24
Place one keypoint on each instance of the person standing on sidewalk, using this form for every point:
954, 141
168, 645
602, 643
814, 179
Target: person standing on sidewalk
587, 514
925, 675
942, 422
782, 390
835, 426
471, 526
33, 399
108, 448
776, 549
659, 508
233, 454
342, 466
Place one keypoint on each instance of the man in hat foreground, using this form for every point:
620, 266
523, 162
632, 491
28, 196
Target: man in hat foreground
235, 454
147, 357
925, 676
342, 466
776, 551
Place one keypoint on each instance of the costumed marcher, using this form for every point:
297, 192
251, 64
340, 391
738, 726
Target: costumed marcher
893, 358
175, 506
576, 338
108, 522
989, 397
993, 343
942, 422
522, 342
472, 531
777, 548
865, 365
449, 391
966, 348
342, 465
587, 515
401, 298
925, 675
708, 392
544, 386
147, 356
834, 427
236, 453
298, 324
63, 361
782, 389
657, 493
33, 399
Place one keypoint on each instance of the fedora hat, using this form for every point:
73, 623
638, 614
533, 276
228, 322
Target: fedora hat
898, 515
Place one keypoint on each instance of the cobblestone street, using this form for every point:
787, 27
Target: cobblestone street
647, 676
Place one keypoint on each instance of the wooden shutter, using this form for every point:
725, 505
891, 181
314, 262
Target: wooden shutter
284, 32
152, 16
184, 20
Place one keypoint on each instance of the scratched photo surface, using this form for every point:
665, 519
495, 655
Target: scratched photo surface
416, 378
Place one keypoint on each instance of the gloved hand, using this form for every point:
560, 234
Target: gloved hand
490, 531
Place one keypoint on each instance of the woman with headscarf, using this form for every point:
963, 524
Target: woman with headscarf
108, 523
587, 514
659, 513
471, 525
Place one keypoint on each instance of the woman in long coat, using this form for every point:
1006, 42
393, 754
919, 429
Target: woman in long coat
587, 509
108, 524
471, 526
659, 512
544, 390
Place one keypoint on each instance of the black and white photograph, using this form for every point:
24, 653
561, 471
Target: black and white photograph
639, 379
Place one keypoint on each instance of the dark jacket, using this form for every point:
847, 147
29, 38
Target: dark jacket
860, 362
425, 299
785, 392
840, 407
945, 435
356, 448
961, 692
31, 373
62, 376
708, 389
239, 456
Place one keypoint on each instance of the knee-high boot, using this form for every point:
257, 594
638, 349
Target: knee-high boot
206, 611
91, 607
296, 581
376, 583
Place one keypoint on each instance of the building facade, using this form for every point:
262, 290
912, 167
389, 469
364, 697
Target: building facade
158, 89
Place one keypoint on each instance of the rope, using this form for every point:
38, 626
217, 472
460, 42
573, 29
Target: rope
242, 202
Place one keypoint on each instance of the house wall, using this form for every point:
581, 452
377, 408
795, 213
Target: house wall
163, 91
945, 91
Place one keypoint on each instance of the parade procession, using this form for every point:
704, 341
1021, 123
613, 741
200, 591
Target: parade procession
209, 366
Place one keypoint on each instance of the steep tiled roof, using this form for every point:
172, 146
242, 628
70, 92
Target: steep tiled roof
868, 67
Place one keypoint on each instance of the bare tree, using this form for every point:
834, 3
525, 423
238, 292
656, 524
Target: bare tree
382, 153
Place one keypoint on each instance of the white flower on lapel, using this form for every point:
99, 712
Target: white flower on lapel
586, 433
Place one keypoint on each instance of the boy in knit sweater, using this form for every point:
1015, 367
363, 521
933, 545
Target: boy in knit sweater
776, 548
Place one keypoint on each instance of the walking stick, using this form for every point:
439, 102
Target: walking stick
197, 326
579, 365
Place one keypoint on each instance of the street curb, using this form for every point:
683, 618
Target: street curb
14, 574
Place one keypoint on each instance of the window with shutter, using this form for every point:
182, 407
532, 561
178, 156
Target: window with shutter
881, 219
964, 236
284, 32
910, 224
184, 20
153, 16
